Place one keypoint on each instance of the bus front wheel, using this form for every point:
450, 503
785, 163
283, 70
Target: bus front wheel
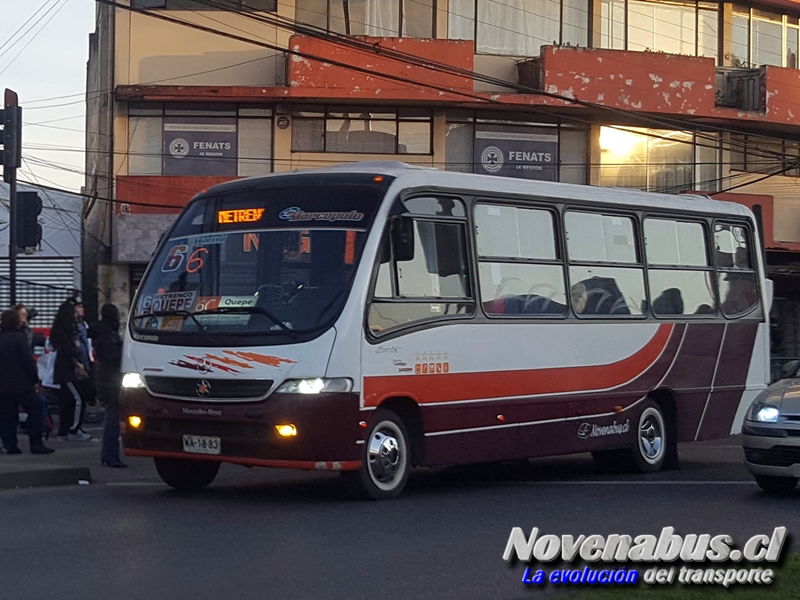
386, 463
650, 450
186, 475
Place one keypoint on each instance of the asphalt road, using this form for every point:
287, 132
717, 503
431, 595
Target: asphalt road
267, 534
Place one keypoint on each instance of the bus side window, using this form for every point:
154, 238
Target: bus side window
430, 262
736, 278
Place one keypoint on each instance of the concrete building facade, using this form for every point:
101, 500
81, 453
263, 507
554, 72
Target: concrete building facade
692, 96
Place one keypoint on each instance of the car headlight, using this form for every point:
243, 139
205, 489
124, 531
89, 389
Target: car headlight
767, 414
315, 385
132, 380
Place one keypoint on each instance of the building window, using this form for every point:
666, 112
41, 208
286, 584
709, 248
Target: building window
196, 141
379, 18
498, 145
760, 155
674, 27
521, 27
759, 38
362, 130
658, 160
195, 5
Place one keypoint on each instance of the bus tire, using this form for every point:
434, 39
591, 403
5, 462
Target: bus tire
776, 485
186, 475
386, 459
650, 449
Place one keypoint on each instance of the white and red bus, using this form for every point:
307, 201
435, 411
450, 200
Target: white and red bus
370, 317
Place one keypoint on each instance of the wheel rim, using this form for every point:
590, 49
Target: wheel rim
386, 456
651, 436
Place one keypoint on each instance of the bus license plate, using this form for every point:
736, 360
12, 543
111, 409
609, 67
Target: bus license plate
201, 444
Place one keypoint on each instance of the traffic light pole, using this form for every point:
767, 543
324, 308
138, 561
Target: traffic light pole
12, 236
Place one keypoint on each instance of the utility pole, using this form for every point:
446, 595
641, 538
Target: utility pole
11, 140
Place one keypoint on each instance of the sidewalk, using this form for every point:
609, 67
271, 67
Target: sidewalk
72, 463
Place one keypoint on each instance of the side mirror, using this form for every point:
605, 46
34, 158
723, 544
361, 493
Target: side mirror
403, 238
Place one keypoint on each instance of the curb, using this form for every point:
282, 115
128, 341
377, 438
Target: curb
45, 477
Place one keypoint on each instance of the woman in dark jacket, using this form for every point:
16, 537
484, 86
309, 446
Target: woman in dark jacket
108, 379
19, 376
69, 373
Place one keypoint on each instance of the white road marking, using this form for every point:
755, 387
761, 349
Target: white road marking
635, 482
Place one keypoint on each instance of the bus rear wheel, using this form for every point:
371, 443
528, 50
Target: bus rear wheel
386, 459
186, 475
650, 450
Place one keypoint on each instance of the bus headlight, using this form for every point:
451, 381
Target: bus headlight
315, 385
132, 380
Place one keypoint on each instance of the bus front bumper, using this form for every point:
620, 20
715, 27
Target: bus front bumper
327, 430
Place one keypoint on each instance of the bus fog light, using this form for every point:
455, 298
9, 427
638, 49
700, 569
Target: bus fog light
132, 380
286, 430
135, 421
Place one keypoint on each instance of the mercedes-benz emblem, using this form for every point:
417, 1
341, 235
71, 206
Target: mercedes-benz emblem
203, 387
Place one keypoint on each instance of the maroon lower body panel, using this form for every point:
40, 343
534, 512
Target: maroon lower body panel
703, 370
327, 428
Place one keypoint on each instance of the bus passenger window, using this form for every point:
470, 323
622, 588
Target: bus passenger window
736, 278
519, 269
679, 270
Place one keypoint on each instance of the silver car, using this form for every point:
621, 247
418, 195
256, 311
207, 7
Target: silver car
771, 434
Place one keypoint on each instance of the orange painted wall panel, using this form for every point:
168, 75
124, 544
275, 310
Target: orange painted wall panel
642, 81
162, 194
783, 95
322, 79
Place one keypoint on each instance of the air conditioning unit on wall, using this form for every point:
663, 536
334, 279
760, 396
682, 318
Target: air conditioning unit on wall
529, 73
740, 88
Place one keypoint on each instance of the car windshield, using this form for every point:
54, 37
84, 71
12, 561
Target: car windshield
278, 261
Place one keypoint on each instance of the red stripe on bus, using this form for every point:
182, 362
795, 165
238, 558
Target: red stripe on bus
454, 387
306, 465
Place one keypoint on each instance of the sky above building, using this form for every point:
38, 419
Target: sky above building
44, 46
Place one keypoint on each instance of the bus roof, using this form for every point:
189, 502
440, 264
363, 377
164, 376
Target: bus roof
411, 176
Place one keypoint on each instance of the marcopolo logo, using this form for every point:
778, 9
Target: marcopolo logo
295, 213
492, 159
590, 430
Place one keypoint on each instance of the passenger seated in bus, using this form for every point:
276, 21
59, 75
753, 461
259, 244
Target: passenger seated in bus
598, 296
670, 302
704, 309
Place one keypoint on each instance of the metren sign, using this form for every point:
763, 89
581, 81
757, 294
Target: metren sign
666, 547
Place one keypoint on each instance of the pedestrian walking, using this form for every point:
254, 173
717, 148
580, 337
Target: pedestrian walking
71, 371
25, 326
107, 344
19, 377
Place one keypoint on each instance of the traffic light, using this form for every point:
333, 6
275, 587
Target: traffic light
11, 135
26, 219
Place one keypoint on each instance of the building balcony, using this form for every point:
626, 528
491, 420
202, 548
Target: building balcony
653, 82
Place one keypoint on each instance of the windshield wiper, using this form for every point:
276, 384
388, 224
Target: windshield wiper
178, 313
249, 310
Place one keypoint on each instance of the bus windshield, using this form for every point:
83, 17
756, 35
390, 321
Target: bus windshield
275, 261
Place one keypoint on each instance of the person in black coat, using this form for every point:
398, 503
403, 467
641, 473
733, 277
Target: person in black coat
20, 378
70, 373
108, 380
